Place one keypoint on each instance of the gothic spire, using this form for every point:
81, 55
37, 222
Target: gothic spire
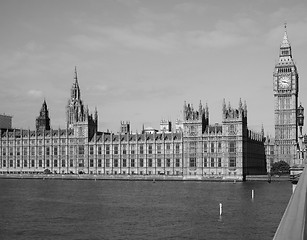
75, 90
76, 75
285, 42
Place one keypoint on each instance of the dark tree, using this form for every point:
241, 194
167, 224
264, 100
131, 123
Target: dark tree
280, 167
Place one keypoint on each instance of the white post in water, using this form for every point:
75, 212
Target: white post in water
253, 194
221, 209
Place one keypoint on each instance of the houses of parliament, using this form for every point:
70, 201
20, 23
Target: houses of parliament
196, 149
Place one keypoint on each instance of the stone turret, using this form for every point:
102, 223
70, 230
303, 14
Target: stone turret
43, 120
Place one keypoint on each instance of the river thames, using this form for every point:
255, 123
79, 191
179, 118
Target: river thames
88, 209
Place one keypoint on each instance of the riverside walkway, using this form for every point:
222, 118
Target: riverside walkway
293, 223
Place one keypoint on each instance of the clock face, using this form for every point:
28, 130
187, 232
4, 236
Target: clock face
284, 82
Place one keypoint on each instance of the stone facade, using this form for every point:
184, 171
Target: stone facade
198, 150
285, 86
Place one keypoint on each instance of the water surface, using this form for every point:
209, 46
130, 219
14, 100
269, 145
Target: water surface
78, 209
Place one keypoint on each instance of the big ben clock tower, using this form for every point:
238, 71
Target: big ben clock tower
285, 84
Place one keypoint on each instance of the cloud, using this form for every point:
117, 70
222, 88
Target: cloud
100, 38
215, 38
191, 8
33, 93
97, 88
88, 43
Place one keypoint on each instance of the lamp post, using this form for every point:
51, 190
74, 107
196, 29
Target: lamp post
300, 123
297, 169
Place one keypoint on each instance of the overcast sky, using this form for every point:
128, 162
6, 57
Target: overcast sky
139, 61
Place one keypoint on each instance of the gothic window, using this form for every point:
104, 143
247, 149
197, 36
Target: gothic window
205, 162
40, 151
71, 163
150, 149
18, 163
158, 148
18, 151
124, 147
11, 151
99, 163
55, 151
212, 162
71, 150
232, 129
232, 161
81, 150
91, 150
91, 162
219, 147
107, 149
115, 148
80, 132
141, 162
177, 162
219, 162
132, 146
149, 162
4, 151
159, 163
55, 162
168, 147
47, 163
124, 162
141, 149
168, 162
107, 162
99, 150
205, 147
232, 146
81, 163
25, 163
192, 162
32, 151
115, 162
132, 163
212, 147
177, 148
63, 163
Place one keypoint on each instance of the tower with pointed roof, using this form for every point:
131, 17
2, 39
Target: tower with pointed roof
285, 87
43, 120
195, 121
77, 115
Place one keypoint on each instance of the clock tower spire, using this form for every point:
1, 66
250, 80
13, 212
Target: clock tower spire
285, 87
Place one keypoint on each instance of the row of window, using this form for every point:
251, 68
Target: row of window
81, 149
117, 163
40, 142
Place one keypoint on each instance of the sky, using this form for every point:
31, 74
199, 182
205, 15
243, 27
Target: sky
139, 60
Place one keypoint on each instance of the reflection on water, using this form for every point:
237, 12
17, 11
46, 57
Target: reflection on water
72, 209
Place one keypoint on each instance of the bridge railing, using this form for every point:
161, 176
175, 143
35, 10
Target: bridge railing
293, 225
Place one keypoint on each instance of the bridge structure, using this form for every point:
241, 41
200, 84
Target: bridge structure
293, 225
